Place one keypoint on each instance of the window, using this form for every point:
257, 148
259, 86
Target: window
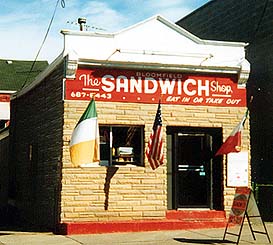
121, 145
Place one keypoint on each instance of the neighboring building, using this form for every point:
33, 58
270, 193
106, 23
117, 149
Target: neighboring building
251, 22
4, 176
202, 89
14, 75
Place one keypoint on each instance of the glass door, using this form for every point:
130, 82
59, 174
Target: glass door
192, 170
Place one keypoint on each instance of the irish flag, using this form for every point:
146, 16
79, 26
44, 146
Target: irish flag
233, 141
84, 144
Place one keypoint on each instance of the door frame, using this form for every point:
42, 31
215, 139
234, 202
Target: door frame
216, 187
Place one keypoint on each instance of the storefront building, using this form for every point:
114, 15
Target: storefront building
13, 76
201, 85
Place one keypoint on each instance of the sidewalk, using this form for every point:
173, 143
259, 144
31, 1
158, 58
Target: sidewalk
203, 236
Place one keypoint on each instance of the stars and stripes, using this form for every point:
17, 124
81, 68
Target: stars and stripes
154, 151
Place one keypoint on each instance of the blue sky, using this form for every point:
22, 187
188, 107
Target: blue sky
23, 23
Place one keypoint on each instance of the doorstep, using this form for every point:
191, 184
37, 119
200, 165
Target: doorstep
175, 220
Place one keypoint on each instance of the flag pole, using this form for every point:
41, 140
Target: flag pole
247, 110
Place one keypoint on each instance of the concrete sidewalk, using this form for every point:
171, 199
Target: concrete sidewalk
203, 236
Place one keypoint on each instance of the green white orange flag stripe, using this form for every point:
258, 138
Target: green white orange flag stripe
84, 143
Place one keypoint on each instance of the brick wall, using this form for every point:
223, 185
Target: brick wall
36, 143
4, 175
131, 193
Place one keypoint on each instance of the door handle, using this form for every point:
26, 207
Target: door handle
193, 168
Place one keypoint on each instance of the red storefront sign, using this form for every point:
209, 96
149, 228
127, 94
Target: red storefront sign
147, 87
239, 205
4, 106
4, 97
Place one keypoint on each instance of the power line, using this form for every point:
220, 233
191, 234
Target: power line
45, 37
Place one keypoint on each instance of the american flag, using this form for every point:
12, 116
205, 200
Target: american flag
154, 152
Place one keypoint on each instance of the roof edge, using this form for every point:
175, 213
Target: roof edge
174, 67
164, 21
86, 33
7, 91
39, 78
196, 39
184, 32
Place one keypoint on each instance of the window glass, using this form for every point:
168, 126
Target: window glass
105, 147
121, 145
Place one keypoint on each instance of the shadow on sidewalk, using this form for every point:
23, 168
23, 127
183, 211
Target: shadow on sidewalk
11, 221
4, 234
10, 229
202, 241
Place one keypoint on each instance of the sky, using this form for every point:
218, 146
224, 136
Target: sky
24, 23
